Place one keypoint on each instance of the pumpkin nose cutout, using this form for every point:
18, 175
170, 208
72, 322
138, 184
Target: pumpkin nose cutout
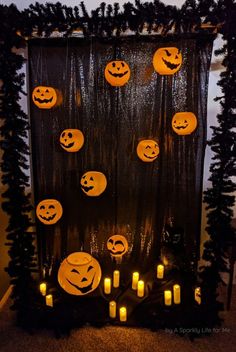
85, 182
84, 279
118, 68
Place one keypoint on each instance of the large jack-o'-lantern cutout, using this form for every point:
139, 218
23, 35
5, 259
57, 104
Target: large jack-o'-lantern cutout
184, 123
148, 150
49, 211
71, 140
93, 183
117, 245
167, 61
79, 274
44, 97
117, 73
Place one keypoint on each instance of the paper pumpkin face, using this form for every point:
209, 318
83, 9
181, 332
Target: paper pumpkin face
71, 140
117, 73
79, 274
49, 211
93, 183
184, 123
148, 150
44, 97
117, 245
167, 61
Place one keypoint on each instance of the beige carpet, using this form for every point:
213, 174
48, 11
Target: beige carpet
116, 339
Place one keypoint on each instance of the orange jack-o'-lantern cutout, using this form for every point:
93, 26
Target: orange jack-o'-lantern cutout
117, 73
44, 97
93, 183
49, 211
184, 123
167, 61
79, 274
148, 150
117, 245
71, 140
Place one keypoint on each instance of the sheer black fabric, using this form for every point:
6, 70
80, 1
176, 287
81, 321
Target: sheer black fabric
140, 197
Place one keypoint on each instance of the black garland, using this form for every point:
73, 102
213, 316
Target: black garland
108, 21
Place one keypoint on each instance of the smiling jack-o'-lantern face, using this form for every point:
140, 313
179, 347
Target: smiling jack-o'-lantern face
71, 140
184, 123
117, 245
49, 211
148, 150
93, 183
167, 61
79, 274
44, 97
117, 73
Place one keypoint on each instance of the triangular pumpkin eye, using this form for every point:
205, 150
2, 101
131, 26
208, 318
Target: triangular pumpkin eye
167, 53
91, 178
148, 147
47, 91
185, 121
89, 268
38, 90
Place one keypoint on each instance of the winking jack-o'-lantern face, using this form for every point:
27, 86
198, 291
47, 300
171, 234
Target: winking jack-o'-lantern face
79, 274
71, 140
44, 97
167, 61
93, 183
117, 73
184, 123
117, 245
49, 211
148, 150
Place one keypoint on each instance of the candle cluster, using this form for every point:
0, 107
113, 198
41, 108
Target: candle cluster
176, 295
116, 282
43, 291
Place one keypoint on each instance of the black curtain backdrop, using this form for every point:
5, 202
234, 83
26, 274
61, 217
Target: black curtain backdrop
140, 197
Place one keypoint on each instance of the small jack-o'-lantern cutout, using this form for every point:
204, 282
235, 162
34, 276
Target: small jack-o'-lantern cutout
49, 211
117, 73
93, 183
71, 140
79, 274
117, 245
44, 97
148, 150
167, 61
184, 123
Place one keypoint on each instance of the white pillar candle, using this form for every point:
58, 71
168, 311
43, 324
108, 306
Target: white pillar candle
112, 309
176, 289
135, 280
49, 301
197, 295
160, 271
168, 297
107, 285
123, 314
140, 288
116, 278
43, 288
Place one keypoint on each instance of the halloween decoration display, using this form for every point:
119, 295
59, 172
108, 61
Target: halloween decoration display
71, 140
184, 123
93, 183
167, 61
148, 150
79, 274
117, 245
44, 97
117, 73
49, 211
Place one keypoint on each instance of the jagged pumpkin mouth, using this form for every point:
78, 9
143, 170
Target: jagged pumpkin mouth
43, 101
49, 218
118, 75
170, 65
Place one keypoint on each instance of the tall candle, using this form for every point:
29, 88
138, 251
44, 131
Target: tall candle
123, 314
168, 297
177, 298
160, 271
43, 288
49, 301
140, 288
116, 278
197, 295
107, 285
112, 309
135, 280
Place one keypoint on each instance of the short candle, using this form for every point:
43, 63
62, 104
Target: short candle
160, 271
197, 295
177, 298
112, 309
107, 285
140, 288
116, 278
123, 314
49, 301
135, 280
43, 288
168, 297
